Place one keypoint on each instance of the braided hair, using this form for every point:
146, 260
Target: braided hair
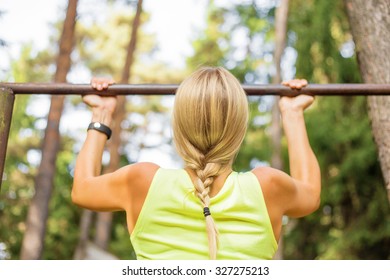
210, 118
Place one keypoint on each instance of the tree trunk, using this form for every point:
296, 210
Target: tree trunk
85, 225
276, 128
370, 25
104, 220
32, 246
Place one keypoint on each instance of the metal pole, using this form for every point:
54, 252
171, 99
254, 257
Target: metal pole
7, 99
158, 89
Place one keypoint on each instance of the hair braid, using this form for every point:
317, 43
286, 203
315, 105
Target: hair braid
206, 172
210, 118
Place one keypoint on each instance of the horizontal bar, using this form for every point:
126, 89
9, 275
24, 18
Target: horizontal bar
169, 89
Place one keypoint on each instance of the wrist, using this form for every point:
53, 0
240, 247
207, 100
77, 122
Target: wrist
292, 116
101, 115
101, 128
291, 111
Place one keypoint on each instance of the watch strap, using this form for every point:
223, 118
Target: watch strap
101, 128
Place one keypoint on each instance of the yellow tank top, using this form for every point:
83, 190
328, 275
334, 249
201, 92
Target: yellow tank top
171, 225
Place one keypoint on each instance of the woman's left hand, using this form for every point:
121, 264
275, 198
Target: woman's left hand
299, 102
97, 102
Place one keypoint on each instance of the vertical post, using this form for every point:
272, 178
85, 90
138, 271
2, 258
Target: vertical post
7, 99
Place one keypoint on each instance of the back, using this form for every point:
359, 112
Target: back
171, 224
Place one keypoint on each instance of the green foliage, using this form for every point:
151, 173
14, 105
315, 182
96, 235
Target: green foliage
257, 23
255, 148
353, 221
221, 43
320, 30
120, 239
212, 45
61, 236
217, 46
101, 46
18, 184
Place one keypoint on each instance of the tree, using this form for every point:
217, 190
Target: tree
211, 46
372, 41
352, 222
23, 140
276, 128
102, 47
104, 220
33, 240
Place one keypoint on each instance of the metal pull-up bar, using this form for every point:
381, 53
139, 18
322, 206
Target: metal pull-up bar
169, 89
9, 90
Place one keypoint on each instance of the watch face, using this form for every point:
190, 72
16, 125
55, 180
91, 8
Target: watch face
96, 125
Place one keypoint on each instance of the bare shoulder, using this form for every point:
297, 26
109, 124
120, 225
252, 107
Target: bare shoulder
276, 185
139, 179
145, 166
270, 177
115, 191
285, 194
141, 171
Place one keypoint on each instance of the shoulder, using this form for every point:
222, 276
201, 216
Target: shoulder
139, 179
141, 171
285, 194
144, 167
271, 177
276, 185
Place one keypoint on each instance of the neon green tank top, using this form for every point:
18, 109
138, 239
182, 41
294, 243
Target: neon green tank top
171, 225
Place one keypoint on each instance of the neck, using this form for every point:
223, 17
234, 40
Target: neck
218, 182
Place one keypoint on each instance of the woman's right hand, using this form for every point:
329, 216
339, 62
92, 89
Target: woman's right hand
297, 103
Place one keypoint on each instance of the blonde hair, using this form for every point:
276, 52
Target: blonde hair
210, 118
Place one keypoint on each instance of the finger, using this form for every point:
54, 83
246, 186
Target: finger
301, 83
105, 85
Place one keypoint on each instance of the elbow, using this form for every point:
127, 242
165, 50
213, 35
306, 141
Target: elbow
313, 199
314, 185
81, 191
316, 201
316, 204
75, 194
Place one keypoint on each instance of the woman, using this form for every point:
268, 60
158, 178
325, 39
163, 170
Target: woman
205, 210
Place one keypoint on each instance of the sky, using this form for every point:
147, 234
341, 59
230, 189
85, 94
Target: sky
174, 22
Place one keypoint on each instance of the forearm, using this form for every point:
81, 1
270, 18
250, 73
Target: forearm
89, 160
303, 162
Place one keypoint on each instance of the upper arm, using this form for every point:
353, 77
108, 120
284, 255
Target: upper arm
113, 191
289, 196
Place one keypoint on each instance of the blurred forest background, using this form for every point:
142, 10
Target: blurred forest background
353, 221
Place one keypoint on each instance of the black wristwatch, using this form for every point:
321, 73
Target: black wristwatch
101, 128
